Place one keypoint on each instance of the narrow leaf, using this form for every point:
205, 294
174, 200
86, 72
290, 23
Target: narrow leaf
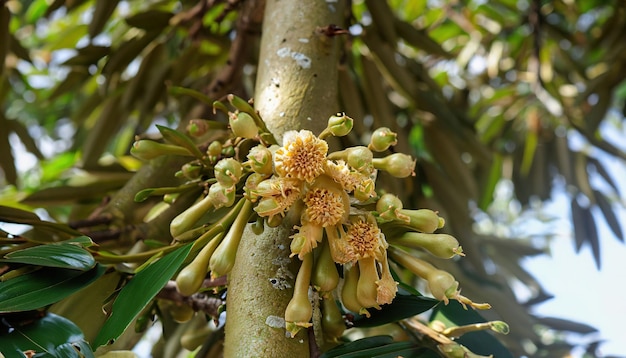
403, 306
139, 291
358, 345
566, 325
177, 138
609, 215
43, 287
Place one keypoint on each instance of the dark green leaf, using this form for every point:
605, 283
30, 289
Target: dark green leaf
139, 291
150, 19
403, 306
43, 287
61, 255
609, 215
57, 335
566, 325
359, 344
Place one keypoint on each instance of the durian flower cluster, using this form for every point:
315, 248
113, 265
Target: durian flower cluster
339, 219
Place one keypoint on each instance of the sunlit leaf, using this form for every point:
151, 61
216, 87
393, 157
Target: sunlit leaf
61, 255
139, 291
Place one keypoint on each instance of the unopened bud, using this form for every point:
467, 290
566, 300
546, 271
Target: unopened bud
221, 196
191, 171
398, 164
382, 139
340, 125
215, 149
242, 124
360, 158
260, 159
148, 149
197, 127
228, 172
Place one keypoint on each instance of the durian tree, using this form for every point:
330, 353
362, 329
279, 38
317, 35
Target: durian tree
294, 178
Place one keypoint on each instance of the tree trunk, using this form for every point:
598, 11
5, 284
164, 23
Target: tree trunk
296, 88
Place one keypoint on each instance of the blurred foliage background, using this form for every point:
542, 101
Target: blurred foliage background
486, 94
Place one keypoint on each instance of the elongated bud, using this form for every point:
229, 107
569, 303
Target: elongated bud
299, 310
333, 324
366, 287
149, 149
223, 258
190, 278
325, 277
441, 245
252, 182
442, 284
243, 125
349, 290
398, 164
260, 159
188, 218
382, 139
228, 171
424, 220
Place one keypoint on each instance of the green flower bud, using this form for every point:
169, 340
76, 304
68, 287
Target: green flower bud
252, 182
261, 160
221, 196
243, 125
191, 171
149, 149
197, 127
441, 245
382, 139
325, 277
339, 125
190, 278
299, 310
367, 290
398, 164
360, 158
228, 172
388, 208
186, 220
228, 151
349, 290
333, 324
215, 149
223, 258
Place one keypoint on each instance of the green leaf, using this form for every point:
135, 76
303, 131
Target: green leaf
62, 255
43, 287
403, 306
58, 337
377, 346
480, 342
177, 138
139, 291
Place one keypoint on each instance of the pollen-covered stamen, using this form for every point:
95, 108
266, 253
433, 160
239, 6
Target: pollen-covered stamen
365, 238
302, 157
324, 206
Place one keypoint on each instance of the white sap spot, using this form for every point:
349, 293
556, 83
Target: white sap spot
283, 52
281, 114
281, 246
304, 40
301, 59
275, 321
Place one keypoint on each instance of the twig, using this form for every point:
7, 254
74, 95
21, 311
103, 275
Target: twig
198, 301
